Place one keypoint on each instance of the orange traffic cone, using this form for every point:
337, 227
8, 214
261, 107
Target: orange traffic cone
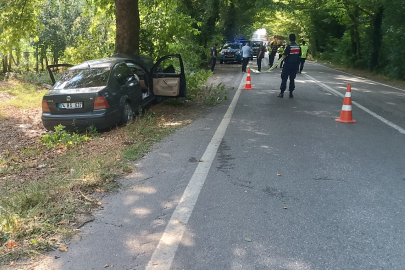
248, 84
346, 114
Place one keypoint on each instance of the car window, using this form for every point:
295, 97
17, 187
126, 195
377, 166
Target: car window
123, 74
231, 46
137, 70
169, 65
83, 78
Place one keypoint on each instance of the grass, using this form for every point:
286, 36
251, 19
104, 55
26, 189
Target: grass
32, 213
41, 77
25, 95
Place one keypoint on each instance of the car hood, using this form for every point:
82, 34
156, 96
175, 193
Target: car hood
75, 91
230, 50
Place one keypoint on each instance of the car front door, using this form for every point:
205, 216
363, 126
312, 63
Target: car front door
168, 78
129, 86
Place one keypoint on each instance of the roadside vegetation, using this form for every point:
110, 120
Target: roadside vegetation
50, 182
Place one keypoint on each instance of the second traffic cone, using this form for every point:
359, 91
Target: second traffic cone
346, 114
248, 84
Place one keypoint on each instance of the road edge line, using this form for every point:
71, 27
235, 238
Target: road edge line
337, 93
165, 251
365, 79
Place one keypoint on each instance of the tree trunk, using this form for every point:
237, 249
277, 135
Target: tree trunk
36, 59
127, 26
376, 38
4, 63
10, 59
18, 54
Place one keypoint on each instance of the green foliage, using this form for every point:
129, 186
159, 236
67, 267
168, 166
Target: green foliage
25, 95
213, 94
63, 138
17, 20
92, 131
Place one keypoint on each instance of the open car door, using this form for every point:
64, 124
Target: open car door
50, 67
168, 78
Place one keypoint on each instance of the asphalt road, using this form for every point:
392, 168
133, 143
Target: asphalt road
281, 186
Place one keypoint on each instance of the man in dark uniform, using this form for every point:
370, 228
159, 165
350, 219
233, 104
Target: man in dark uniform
291, 55
272, 54
260, 56
213, 56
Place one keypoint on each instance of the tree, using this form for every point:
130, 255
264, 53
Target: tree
127, 26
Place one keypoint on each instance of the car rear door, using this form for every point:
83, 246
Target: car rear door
168, 77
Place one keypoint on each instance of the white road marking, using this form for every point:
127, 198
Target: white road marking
337, 93
166, 249
364, 79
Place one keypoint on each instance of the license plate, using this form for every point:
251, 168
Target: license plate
72, 105
229, 56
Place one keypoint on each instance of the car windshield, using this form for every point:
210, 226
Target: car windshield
256, 44
231, 46
83, 78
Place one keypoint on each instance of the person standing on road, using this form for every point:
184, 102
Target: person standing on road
280, 55
213, 56
292, 55
260, 56
246, 50
304, 51
272, 54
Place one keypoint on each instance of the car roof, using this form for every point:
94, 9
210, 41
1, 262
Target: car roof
142, 60
97, 63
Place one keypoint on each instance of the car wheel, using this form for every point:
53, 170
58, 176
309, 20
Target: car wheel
221, 61
127, 114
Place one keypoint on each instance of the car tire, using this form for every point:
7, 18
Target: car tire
127, 114
221, 61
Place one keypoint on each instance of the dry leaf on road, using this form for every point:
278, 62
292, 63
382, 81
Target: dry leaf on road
63, 249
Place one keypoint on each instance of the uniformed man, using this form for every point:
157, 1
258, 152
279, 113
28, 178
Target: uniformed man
260, 56
280, 55
291, 55
304, 51
272, 54
213, 56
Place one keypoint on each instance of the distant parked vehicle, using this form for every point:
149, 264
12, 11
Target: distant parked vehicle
107, 92
231, 52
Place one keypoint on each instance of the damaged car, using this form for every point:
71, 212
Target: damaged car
108, 92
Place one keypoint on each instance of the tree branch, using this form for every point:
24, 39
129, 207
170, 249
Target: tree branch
365, 11
22, 11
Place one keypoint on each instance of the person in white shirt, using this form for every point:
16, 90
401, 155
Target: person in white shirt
246, 50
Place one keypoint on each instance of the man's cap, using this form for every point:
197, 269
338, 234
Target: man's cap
292, 37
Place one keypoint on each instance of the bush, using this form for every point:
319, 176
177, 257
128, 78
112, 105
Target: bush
63, 138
